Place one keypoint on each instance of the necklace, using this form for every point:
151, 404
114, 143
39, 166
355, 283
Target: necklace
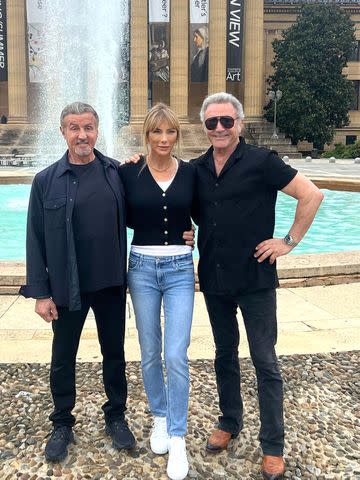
163, 169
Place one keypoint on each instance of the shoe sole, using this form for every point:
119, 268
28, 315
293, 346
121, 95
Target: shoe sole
61, 457
162, 452
120, 447
274, 476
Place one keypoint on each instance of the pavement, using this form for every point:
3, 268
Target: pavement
316, 319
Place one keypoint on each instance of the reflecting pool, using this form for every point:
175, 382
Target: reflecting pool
336, 227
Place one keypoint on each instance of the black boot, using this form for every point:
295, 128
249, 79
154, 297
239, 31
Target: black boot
56, 447
121, 436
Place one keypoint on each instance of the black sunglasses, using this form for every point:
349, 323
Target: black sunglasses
226, 122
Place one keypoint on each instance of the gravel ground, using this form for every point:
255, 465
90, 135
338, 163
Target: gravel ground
322, 418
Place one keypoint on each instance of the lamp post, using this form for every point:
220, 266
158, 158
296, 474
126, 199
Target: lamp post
275, 96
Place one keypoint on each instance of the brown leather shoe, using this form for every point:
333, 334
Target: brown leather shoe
218, 440
273, 468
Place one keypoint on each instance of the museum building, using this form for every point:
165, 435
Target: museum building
179, 51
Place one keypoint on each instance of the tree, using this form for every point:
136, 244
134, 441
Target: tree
308, 66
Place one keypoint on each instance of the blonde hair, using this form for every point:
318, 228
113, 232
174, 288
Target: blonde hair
158, 114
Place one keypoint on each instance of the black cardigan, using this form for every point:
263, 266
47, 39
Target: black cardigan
157, 217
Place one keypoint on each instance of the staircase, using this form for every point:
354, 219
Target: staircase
261, 135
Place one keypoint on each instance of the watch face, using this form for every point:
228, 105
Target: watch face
289, 240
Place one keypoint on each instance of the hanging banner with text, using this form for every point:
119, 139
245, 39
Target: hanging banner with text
234, 40
36, 22
3, 42
159, 40
199, 40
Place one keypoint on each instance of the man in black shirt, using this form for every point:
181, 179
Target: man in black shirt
237, 189
76, 260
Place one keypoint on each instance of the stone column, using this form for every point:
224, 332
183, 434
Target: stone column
138, 60
17, 62
254, 60
217, 47
179, 61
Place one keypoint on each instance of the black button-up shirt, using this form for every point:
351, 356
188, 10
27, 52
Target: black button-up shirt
51, 262
236, 212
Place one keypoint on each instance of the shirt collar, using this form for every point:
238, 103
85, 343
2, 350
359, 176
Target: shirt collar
64, 165
207, 158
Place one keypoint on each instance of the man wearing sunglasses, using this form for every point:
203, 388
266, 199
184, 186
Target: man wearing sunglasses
237, 190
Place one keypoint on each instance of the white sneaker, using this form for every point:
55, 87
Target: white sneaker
159, 440
178, 465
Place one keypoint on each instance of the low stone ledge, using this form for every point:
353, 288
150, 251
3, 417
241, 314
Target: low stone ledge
293, 270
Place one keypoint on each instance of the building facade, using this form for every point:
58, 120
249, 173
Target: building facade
182, 59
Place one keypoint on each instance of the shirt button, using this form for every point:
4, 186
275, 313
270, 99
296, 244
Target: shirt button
74, 182
164, 194
214, 224
70, 199
216, 184
166, 243
166, 232
165, 219
215, 203
164, 207
68, 219
218, 265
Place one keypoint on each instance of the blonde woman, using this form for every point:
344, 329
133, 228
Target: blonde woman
159, 197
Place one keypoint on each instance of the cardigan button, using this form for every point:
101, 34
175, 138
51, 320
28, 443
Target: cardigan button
164, 194
164, 207
166, 232
166, 243
165, 219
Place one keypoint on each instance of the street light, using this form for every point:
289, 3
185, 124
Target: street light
275, 96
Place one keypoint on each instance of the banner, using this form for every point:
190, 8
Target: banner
36, 21
199, 40
234, 40
159, 40
159, 11
3, 39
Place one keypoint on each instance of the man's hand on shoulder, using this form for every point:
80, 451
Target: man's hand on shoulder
271, 249
134, 158
46, 308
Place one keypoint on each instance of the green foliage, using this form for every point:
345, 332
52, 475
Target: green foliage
308, 66
344, 151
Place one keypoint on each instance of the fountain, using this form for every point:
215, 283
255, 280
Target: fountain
85, 57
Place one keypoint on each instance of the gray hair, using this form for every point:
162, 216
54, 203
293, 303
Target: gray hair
77, 108
222, 97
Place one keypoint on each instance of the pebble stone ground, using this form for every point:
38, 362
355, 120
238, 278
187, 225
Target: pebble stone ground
322, 417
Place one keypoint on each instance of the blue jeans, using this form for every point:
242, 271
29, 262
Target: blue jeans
171, 280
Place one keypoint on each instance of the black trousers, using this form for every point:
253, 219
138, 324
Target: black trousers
259, 313
109, 309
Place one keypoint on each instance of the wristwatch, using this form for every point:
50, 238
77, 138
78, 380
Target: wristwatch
288, 240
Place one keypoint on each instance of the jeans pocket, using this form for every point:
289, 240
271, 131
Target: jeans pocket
133, 262
184, 264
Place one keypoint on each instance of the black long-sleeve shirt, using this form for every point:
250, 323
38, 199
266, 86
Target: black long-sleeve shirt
51, 261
